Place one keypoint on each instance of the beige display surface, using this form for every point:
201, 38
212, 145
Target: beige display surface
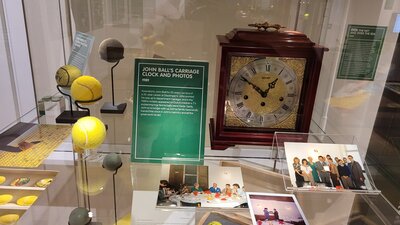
36, 145
18, 192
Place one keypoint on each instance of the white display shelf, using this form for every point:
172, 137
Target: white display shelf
22, 188
13, 206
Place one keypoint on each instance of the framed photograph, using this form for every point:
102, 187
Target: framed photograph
271, 209
210, 186
325, 167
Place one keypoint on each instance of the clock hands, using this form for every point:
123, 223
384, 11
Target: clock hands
255, 87
263, 94
271, 85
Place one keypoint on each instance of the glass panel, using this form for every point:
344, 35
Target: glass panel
186, 29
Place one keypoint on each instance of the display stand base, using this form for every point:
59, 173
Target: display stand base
108, 107
67, 117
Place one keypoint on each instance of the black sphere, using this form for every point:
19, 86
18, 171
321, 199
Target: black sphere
112, 162
111, 50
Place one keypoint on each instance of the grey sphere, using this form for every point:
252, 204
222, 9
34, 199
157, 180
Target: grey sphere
112, 162
111, 50
79, 216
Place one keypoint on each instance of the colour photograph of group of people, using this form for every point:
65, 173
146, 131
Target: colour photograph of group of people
202, 186
325, 166
275, 209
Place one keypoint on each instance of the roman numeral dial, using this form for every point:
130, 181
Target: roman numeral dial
263, 92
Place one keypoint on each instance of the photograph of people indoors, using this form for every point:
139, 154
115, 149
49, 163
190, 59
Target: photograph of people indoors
201, 186
274, 209
325, 166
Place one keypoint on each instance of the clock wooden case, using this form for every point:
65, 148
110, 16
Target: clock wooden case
267, 82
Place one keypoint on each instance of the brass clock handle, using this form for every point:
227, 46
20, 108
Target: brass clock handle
265, 26
255, 87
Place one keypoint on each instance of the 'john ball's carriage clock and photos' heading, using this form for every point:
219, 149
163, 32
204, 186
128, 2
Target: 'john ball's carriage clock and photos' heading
267, 83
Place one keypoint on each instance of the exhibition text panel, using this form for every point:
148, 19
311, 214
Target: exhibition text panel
169, 110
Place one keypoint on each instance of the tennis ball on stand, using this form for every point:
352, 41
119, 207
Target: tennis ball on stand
86, 89
111, 50
79, 216
112, 162
88, 132
66, 75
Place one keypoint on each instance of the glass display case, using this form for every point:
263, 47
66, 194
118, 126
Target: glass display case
347, 112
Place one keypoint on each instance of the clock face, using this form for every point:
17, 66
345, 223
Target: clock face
264, 92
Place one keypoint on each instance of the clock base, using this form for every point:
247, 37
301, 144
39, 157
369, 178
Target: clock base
230, 139
237, 138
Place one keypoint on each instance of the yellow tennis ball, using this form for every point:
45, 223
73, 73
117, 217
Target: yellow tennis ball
214, 223
27, 200
88, 132
159, 45
6, 198
9, 219
66, 75
86, 89
2, 179
77, 149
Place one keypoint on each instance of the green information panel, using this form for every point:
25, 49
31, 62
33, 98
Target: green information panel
170, 98
361, 50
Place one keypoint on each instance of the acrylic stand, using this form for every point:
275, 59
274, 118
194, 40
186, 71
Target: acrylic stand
110, 107
70, 116
81, 163
77, 103
114, 193
289, 145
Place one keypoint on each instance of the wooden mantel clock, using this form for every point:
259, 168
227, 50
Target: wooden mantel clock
267, 83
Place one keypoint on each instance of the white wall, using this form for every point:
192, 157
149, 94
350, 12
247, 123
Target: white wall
224, 175
6, 86
46, 43
165, 171
18, 95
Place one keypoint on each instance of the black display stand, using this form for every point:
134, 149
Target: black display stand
70, 116
110, 107
115, 195
114, 169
